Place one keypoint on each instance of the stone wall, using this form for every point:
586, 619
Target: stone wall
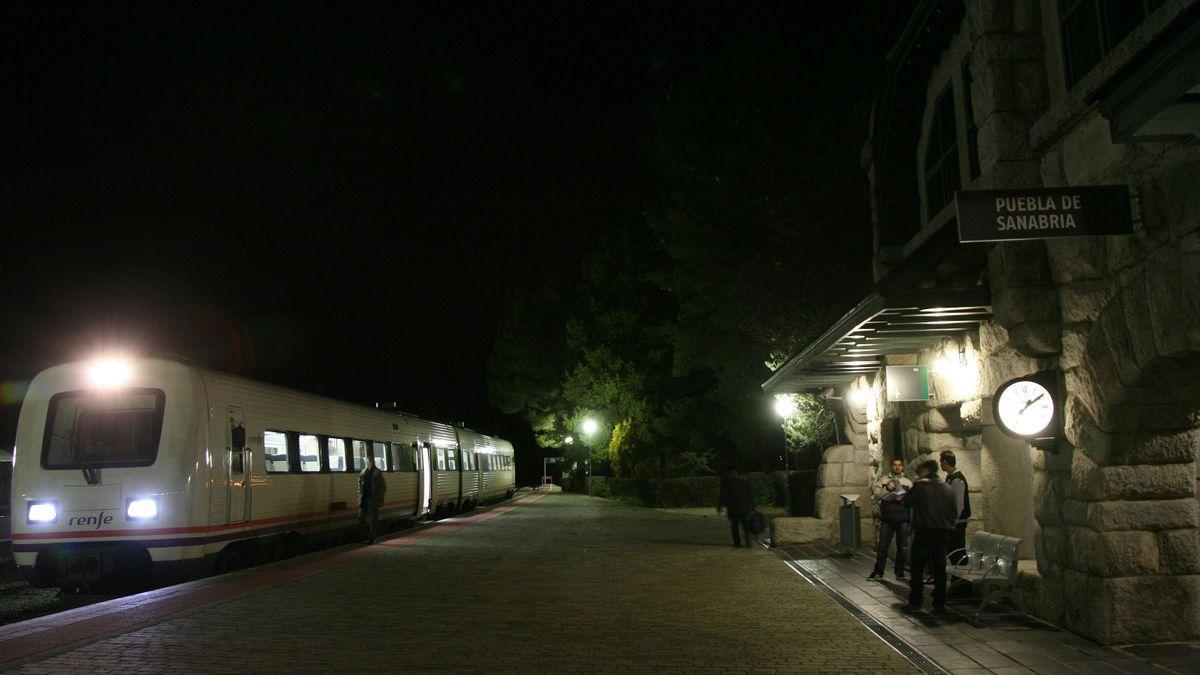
1116, 524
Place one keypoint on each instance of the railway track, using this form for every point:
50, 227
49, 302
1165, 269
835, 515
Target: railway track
20, 601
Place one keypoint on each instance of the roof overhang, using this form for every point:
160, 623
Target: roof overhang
895, 322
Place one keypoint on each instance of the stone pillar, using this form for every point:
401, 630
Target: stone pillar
1006, 474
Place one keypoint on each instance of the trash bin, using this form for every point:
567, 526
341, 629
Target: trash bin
849, 525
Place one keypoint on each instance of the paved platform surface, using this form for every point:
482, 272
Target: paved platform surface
1002, 643
558, 583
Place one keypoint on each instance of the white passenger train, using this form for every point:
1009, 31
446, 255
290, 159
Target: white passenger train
132, 467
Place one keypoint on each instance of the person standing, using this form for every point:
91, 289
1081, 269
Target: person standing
962, 501
893, 520
933, 515
737, 497
371, 488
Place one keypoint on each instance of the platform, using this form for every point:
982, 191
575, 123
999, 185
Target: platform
546, 583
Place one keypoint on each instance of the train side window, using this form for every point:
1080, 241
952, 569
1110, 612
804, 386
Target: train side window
275, 448
417, 458
401, 458
310, 454
466, 460
337, 454
441, 459
380, 453
451, 462
359, 452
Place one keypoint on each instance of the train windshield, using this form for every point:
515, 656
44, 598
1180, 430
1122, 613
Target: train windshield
96, 429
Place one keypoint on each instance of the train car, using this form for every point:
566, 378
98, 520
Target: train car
133, 468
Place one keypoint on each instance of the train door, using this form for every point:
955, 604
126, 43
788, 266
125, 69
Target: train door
425, 484
237, 468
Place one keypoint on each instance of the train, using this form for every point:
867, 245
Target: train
155, 468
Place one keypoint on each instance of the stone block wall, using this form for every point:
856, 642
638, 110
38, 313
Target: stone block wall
1113, 514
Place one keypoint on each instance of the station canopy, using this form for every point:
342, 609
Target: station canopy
885, 322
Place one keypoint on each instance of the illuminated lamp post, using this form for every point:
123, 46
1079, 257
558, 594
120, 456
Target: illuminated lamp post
590, 426
785, 407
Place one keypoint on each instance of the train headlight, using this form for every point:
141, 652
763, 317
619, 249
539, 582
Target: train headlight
42, 512
141, 509
109, 373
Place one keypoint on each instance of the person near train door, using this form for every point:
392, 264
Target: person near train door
371, 488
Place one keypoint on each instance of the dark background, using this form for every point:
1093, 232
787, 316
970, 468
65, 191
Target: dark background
334, 201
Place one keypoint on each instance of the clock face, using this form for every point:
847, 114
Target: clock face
1026, 408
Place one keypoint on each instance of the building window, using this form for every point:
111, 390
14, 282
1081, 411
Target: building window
942, 175
359, 454
337, 454
310, 453
275, 451
972, 128
1092, 28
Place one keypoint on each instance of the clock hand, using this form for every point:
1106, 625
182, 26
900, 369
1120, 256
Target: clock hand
1029, 403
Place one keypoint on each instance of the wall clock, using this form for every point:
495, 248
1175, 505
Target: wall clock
1030, 408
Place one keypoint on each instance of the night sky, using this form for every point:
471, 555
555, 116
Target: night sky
334, 201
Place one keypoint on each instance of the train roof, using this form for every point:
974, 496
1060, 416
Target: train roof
206, 370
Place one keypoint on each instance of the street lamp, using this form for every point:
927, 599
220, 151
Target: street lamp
590, 426
569, 440
785, 407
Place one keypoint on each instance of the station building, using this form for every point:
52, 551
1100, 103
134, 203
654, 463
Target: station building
1016, 95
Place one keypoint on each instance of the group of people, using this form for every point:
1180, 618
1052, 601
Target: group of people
936, 511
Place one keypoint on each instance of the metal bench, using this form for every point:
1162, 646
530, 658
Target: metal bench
990, 565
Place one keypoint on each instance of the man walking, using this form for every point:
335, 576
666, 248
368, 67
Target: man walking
738, 498
893, 520
962, 502
933, 515
371, 488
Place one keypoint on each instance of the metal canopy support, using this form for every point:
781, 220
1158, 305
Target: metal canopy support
898, 322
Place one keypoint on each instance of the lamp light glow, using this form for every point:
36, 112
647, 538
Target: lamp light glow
785, 406
109, 373
860, 397
569, 440
590, 426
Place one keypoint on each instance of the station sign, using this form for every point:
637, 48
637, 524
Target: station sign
907, 383
1043, 213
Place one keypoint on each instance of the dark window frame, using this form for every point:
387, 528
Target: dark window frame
1099, 16
969, 114
160, 401
938, 168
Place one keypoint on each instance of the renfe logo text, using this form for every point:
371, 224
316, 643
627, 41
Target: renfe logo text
93, 521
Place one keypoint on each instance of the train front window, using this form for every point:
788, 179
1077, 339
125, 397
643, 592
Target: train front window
88, 429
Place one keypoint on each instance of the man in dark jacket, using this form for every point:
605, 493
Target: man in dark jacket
893, 520
371, 488
933, 516
962, 501
738, 498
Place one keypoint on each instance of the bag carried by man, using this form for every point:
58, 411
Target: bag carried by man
755, 522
